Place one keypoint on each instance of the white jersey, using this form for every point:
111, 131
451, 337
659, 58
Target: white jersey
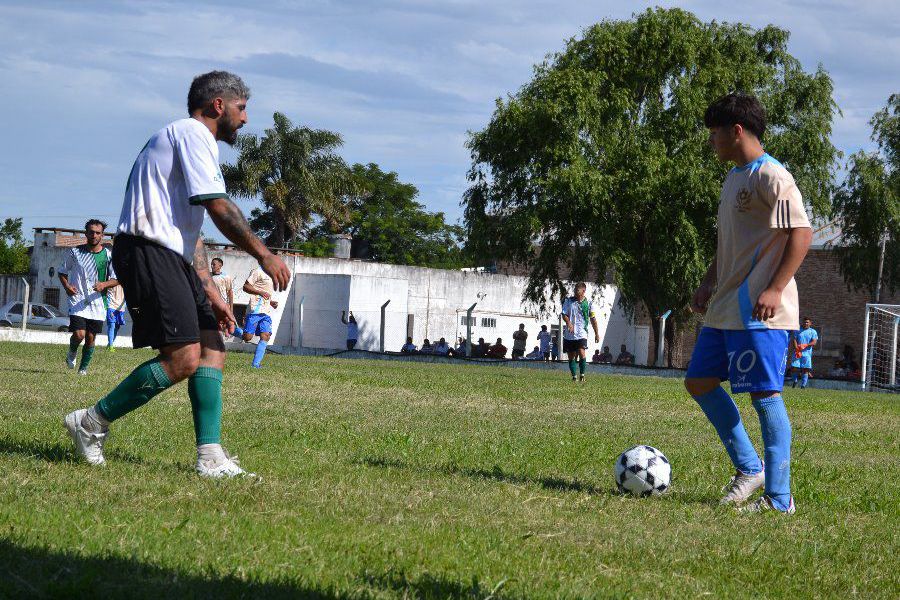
176, 171
572, 308
80, 266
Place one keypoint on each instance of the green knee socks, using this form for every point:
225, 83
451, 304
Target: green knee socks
87, 353
581, 364
205, 390
137, 389
572, 366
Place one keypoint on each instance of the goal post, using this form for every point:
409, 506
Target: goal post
881, 343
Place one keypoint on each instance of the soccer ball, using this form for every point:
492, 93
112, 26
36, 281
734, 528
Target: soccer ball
643, 471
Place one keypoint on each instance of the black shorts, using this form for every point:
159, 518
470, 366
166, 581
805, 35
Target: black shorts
77, 323
568, 345
165, 297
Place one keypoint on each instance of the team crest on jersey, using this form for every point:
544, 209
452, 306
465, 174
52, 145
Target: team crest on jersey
742, 202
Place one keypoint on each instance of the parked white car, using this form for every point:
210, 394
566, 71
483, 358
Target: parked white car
43, 316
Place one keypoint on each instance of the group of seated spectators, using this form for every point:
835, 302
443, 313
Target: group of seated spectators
440, 348
625, 357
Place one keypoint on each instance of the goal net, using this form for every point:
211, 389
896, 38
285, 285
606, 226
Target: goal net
880, 367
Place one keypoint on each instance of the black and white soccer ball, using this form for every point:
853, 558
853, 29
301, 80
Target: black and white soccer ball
643, 471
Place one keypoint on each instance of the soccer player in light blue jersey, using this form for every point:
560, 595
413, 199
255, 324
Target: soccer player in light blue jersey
802, 346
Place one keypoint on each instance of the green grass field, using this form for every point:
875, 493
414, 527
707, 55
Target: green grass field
388, 479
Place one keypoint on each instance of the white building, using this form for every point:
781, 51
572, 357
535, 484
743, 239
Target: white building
423, 303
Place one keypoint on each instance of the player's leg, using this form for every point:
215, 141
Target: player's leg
806, 367
572, 352
795, 373
760, 365
87, 351
76, 327
111, 327
707, 369
582, 362
264, 329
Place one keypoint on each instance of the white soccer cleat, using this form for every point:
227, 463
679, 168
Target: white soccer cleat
70, 360
741, 487
225, 469
82, 371
764, 504
87, 444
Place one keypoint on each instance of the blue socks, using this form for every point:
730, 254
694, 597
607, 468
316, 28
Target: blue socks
260, 352
723, 413
776, 435
111, 329
804, 380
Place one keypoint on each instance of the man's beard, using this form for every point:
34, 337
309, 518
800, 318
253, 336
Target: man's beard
228, 130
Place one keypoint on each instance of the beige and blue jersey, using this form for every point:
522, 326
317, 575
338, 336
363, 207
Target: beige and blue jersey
758, 206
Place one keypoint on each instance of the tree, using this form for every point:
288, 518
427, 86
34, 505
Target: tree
390, 226
297, 175
14, 259
601, 161
867, 208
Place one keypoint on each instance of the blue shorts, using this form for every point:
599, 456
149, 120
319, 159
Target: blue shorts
804, 362
753, 360
115, 317
257, 323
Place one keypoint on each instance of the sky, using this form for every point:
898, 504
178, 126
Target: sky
86, 83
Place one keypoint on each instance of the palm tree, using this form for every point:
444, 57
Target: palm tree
297, 175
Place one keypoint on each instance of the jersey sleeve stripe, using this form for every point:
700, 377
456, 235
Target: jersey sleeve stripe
200, 198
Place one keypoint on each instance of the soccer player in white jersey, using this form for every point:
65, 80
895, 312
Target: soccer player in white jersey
750, 300
86, 274
259, 312
577, 312
174, 304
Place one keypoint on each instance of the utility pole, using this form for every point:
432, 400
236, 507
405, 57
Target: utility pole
884, 237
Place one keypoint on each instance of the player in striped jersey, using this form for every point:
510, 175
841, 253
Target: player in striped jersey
86, 274
259, 312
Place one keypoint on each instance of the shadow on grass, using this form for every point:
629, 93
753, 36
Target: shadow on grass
27, 572
56, 452
433, 586
42, 371
40, 573
496, 473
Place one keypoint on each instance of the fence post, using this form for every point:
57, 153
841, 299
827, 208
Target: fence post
661, 342
26, 310
383, 311
469, 329
893, 379
559, 339
865, 348
300, 323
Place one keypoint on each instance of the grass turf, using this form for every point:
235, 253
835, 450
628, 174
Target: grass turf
389, 479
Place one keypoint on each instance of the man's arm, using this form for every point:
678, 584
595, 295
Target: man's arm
64, 280
769, 300
231, 222
706, 288
252, 289
231, 298
596, 329
102, 286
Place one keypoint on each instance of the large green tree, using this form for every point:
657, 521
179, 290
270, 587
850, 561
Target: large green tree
297, 175
867, 207
600, 164
14, 259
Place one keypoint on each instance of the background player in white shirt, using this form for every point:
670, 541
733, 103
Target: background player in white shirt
259, 312
174, 304
86, 274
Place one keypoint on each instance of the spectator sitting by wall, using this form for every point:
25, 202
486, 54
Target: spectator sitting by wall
625, 357
535, 354
460, 349
554, 349
839, 370
519, 339
442, 347
480, 350
408, 347
606, 356
498, 350
596, 357
426, 348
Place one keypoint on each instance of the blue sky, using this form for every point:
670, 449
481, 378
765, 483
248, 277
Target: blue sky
86, 83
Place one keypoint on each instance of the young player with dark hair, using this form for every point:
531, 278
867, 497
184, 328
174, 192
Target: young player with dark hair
174, 304
802, 343
87, 273
577, 312
750, 300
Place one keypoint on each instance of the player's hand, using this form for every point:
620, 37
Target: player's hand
274, 303
71, 291
277, 270
99, 286
596, 338
766, 305
701, 298
266, 294
223, 313
571, 327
